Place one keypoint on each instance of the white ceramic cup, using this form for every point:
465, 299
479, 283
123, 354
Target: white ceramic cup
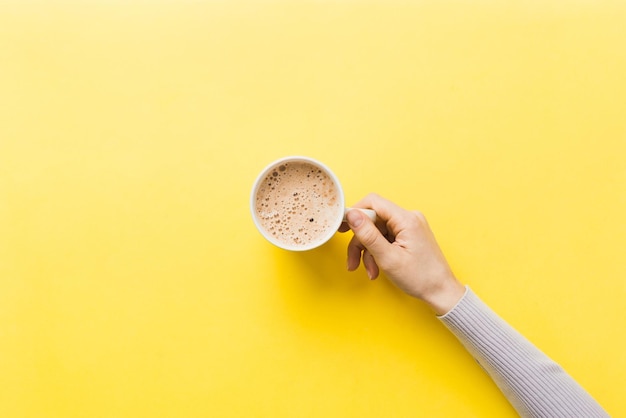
328, 231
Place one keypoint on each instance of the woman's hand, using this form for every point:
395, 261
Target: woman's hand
402, 245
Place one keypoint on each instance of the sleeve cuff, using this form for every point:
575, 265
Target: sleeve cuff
456, 304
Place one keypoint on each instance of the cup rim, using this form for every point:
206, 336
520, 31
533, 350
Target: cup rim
297, 158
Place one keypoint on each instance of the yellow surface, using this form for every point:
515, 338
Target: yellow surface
132, 280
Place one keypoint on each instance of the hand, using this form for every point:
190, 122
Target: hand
402, 245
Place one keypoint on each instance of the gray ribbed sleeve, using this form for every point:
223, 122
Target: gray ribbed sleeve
534, 384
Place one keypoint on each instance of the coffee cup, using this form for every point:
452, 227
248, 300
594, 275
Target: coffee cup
297, 203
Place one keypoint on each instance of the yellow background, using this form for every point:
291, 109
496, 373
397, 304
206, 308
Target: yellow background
134, 284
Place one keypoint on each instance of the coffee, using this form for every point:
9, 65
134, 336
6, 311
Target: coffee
298, 203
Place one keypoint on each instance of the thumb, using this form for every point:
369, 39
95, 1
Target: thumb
367, 233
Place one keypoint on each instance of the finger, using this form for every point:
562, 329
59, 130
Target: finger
388, 212
380, 224
367, 234
370, 265
354, 253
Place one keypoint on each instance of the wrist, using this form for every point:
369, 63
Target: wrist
445, 297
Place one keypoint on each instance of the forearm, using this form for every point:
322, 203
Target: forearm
535, 385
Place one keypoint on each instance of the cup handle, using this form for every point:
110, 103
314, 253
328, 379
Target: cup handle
369, 212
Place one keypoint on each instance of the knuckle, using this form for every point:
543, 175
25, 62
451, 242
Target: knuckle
419, 215
418, 219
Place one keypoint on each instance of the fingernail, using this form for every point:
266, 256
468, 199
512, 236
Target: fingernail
369, 275
355, 219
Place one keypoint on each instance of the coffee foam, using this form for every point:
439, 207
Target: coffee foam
297, 203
